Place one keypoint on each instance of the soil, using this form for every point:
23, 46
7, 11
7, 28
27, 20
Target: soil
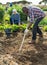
31, 54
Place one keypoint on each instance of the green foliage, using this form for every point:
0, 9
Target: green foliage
1, 13
15, 27
23, 17
10, 10
44, 8
17, 7
44, 21
6, 18
1, 28
7, 26
23, 27
45, 28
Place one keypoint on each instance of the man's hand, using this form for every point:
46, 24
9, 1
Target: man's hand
26, 31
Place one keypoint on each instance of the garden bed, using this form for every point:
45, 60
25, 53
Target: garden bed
31, 54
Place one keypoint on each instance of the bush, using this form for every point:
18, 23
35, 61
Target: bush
1, 28
6, 18
10, 10
15, 28
1, 13
44, 21
45, 9
45, 28
23, 27
7, 26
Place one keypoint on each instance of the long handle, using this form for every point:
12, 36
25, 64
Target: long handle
22, 43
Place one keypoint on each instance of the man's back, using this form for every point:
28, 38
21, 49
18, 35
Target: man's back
36, 12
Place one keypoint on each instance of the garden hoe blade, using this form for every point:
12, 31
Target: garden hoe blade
22, 43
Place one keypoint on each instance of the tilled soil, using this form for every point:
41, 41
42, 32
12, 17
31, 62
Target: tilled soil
31, 54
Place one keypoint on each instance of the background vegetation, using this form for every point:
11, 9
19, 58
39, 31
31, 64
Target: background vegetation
5, 18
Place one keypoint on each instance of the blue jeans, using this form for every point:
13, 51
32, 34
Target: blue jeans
36, 29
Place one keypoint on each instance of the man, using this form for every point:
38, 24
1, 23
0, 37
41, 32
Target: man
15, 17
35, 14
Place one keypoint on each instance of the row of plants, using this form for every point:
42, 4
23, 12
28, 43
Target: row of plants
17, 27
13, 27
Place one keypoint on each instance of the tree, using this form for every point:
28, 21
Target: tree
45, 2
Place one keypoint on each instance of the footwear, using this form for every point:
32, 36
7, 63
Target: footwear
32, 42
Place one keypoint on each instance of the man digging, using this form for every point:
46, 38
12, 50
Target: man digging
35, 14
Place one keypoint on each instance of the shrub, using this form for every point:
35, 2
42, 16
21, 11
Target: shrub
1, 13
23, 27
7, 26
10, 10
1, 28
44, 9
45, 28
44, 21
15, 28
6, 18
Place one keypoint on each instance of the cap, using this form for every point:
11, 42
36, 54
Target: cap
14, 10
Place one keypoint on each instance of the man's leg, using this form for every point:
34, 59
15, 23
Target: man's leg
39, 31
35, 30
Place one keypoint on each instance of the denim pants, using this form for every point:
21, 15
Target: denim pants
36, 29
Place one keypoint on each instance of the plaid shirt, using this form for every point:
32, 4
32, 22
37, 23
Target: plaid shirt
34, 13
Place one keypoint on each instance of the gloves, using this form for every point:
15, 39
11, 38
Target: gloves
26, 31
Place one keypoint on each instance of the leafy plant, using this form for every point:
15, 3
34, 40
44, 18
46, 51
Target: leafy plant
1, 28
1, 13
23, 27
6, 18
45, 28
7, 26
44, 21
15, 27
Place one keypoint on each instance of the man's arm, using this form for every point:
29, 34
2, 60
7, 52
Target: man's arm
31, 16
18, 18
